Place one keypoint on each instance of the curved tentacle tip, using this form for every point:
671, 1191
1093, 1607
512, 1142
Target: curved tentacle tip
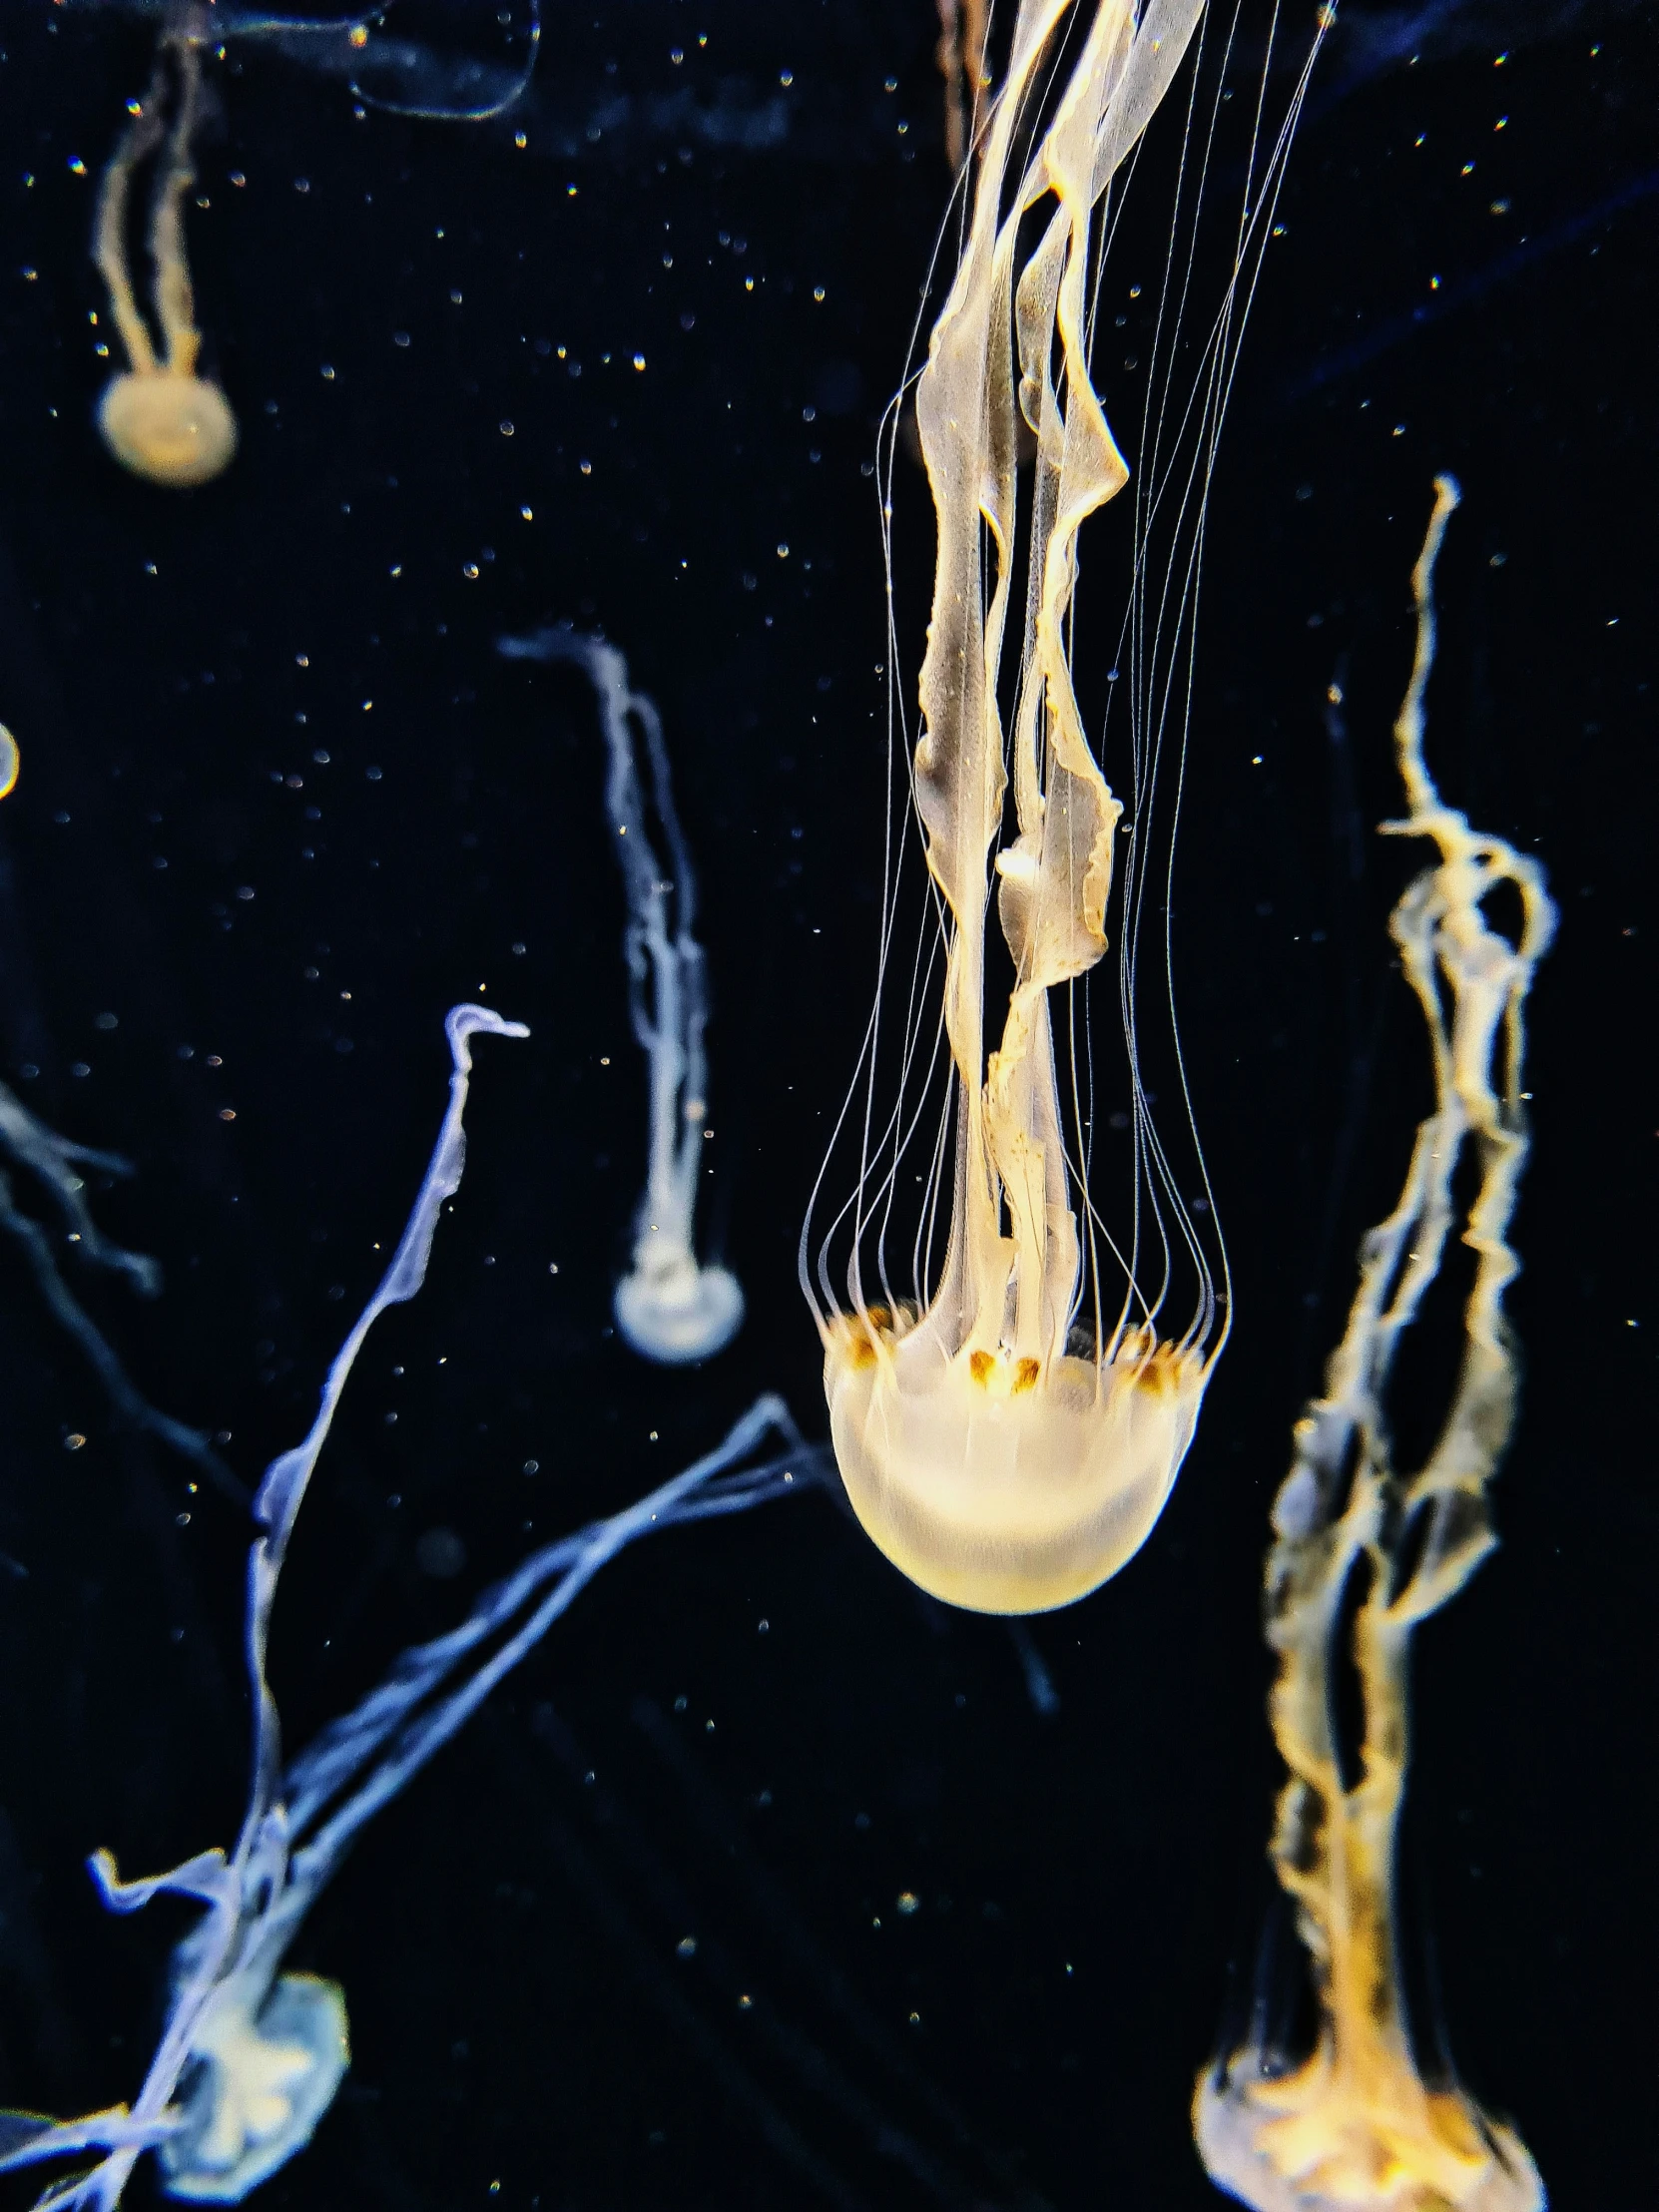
469, 1020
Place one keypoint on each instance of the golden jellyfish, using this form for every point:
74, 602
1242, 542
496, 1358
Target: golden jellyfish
1009, 1427
11, 762
161, 417
1352, 2126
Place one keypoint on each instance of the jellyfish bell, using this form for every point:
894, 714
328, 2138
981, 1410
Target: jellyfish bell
1056, 1474
266, 2063
1432, 2153
175, 430
672, 1310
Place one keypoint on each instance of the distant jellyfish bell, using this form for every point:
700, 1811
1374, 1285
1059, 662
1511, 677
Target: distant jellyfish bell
268, 2060
176, 431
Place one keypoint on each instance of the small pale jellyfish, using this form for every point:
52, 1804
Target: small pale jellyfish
669, 1306
1008, 1435
1352, 2126
159, 416
265, 2062
11, 762
249, 2058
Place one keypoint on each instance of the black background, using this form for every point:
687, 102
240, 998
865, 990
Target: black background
1092, 1883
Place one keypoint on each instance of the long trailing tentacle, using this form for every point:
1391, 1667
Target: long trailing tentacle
137, 142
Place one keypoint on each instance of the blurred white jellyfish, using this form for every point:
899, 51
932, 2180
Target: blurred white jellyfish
251, 2058
669, 1307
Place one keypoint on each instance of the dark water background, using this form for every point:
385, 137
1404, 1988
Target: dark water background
1091, 1881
